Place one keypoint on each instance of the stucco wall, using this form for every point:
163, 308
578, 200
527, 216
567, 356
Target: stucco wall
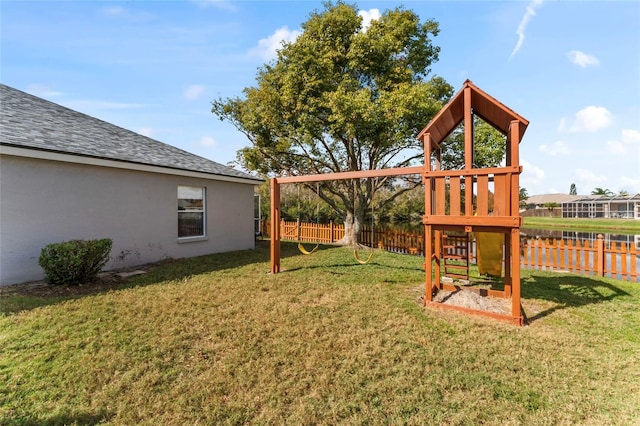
43, 202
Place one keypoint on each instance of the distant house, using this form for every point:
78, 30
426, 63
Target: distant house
602, 206
584, 206
65, 175
546, 205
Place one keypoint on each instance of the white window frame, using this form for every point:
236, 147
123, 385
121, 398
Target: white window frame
202, 210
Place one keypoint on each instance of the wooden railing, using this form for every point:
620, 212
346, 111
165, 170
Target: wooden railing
611, 259
480, 197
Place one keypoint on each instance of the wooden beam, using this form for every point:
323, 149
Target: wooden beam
475, 172
475, 221
360, 174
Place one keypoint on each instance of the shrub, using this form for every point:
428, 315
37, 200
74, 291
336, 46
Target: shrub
74, 262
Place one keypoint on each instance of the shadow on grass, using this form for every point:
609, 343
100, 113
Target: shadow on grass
567, 291
24, 297
64, 419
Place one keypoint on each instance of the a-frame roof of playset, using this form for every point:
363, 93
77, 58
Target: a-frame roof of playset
483, 105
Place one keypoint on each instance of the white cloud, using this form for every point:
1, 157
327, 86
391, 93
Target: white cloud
42, 91
616, 147
531, 175
114, 10
589, 119
267, 47
587, 178
146, 131
207, 141
556, 148
630, 136
530, 13
582, 59
368, 16
193, 92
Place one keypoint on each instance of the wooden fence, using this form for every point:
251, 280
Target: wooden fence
615, 260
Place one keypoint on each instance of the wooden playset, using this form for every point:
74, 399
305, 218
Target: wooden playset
482, 201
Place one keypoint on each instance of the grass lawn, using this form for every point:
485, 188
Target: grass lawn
626, 226
217, 340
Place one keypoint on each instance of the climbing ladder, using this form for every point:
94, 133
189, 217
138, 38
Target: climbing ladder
455, 256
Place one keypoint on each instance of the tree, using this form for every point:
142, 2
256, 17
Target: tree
602, 191
489, 147
523, 196
573, 190
623, 193
342, 98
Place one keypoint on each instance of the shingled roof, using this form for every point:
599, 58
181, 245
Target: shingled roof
27, 121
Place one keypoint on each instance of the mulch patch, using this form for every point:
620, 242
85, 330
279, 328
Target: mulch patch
104, 282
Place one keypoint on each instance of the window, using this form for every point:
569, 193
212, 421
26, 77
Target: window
191, 211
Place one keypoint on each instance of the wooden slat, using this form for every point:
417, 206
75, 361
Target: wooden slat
440, 194
483, 196
454, 196
499, 199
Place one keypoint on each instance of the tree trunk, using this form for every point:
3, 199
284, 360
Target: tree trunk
352, 226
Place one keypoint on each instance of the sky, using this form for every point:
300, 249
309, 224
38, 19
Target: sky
572, 68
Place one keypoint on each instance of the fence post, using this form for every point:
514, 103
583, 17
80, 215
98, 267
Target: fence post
600, 255
332, 229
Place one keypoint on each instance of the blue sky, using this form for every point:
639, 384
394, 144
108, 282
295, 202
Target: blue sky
572, 68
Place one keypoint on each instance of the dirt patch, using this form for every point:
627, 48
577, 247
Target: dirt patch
469, 299
472, 300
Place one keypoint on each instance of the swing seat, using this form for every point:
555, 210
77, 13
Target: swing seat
361, 260
303, 250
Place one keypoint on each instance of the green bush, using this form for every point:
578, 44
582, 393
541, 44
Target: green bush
74, 262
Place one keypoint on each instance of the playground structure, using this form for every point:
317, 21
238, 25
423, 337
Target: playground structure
466, 192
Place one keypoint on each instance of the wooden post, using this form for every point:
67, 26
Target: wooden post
510, 258
515, 274
468, 153
437, 252
600, 255
275, 226
428, 290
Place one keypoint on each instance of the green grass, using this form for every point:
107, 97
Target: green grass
217, 340
626, 226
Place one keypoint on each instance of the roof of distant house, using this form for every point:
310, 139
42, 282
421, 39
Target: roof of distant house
543, 199
27, 121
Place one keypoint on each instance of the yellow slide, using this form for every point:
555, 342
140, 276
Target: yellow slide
489, 246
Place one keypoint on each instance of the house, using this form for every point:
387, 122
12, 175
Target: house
603, 206
65, 175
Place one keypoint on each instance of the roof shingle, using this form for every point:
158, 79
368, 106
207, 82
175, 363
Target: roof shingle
27, 121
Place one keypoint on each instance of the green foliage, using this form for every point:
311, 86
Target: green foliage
489, 147
74, 262
342, 98
573, 190
551, 206
602, 191
523, 196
